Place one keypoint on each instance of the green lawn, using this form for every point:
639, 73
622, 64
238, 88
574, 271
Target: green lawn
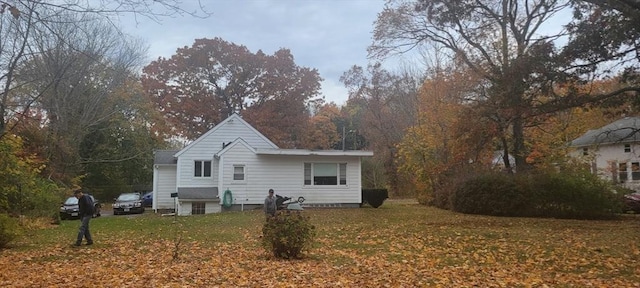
400, 244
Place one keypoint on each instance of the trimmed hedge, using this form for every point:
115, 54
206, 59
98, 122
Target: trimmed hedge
374, 197
566, 194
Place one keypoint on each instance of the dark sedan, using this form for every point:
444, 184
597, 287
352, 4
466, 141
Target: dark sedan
128, 203
69, 208
147, 199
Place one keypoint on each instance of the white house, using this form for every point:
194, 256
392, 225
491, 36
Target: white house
232, 166
613, 151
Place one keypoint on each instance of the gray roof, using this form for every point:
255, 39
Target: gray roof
625, 130
199, 193
164, 157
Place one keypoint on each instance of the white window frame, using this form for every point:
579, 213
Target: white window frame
308, 178
202, 168
627, 148
623, 174
244, 173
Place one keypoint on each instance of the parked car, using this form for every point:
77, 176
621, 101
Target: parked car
632, 201
128, 203
147, 199
69, 208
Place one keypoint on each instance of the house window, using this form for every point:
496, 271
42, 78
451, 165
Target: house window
238, 172
622, 172
627, 148
343, 173
197, 208
585, 151
307, 173
202, 169
325, 173
635, 170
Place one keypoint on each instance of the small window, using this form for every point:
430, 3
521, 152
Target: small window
627, 148
307, 173
635, 171
585, 151
622, 172
202, 169
343, 173
197, 208
238, 172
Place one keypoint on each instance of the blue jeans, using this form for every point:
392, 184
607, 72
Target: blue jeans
84, 230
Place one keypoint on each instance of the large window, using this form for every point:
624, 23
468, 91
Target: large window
197, 208
238, 172
325, 173
202, 169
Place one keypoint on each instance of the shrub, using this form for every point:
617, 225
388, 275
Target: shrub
9, 230
562, 193
573, 194
375, 197
490, 194
287, 234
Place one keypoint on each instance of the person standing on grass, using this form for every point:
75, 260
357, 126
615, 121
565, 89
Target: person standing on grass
270, 204
85, 207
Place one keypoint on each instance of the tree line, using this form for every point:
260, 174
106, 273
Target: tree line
518, 77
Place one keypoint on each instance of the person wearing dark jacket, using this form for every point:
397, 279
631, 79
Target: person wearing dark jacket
85, 207
270, 205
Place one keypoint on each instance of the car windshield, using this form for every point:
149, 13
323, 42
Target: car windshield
71, 201
129, 197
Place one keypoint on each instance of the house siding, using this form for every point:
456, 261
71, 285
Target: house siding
607, 156
163, 185
285, 174
206, 148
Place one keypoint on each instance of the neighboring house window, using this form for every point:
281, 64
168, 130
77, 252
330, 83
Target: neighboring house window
238, 172
635, 171
197, 208
622, 172
202, 169
585, 151
325, 173
627, 148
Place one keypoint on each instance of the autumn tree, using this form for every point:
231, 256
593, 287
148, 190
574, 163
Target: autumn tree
382, 105
501, 41
505, 43
24, 22
322, 131
68, 89
201, 85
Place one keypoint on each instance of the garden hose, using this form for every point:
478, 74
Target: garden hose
227, 199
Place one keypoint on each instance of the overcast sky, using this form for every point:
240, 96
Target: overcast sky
328, 35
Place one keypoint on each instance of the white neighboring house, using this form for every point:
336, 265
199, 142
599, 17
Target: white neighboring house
235, 157
613, 151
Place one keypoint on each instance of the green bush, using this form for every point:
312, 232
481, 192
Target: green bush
573, 194
9, 230
375, 197
287, 234
490, 194
562, 193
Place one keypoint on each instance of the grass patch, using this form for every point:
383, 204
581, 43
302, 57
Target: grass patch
397, 244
